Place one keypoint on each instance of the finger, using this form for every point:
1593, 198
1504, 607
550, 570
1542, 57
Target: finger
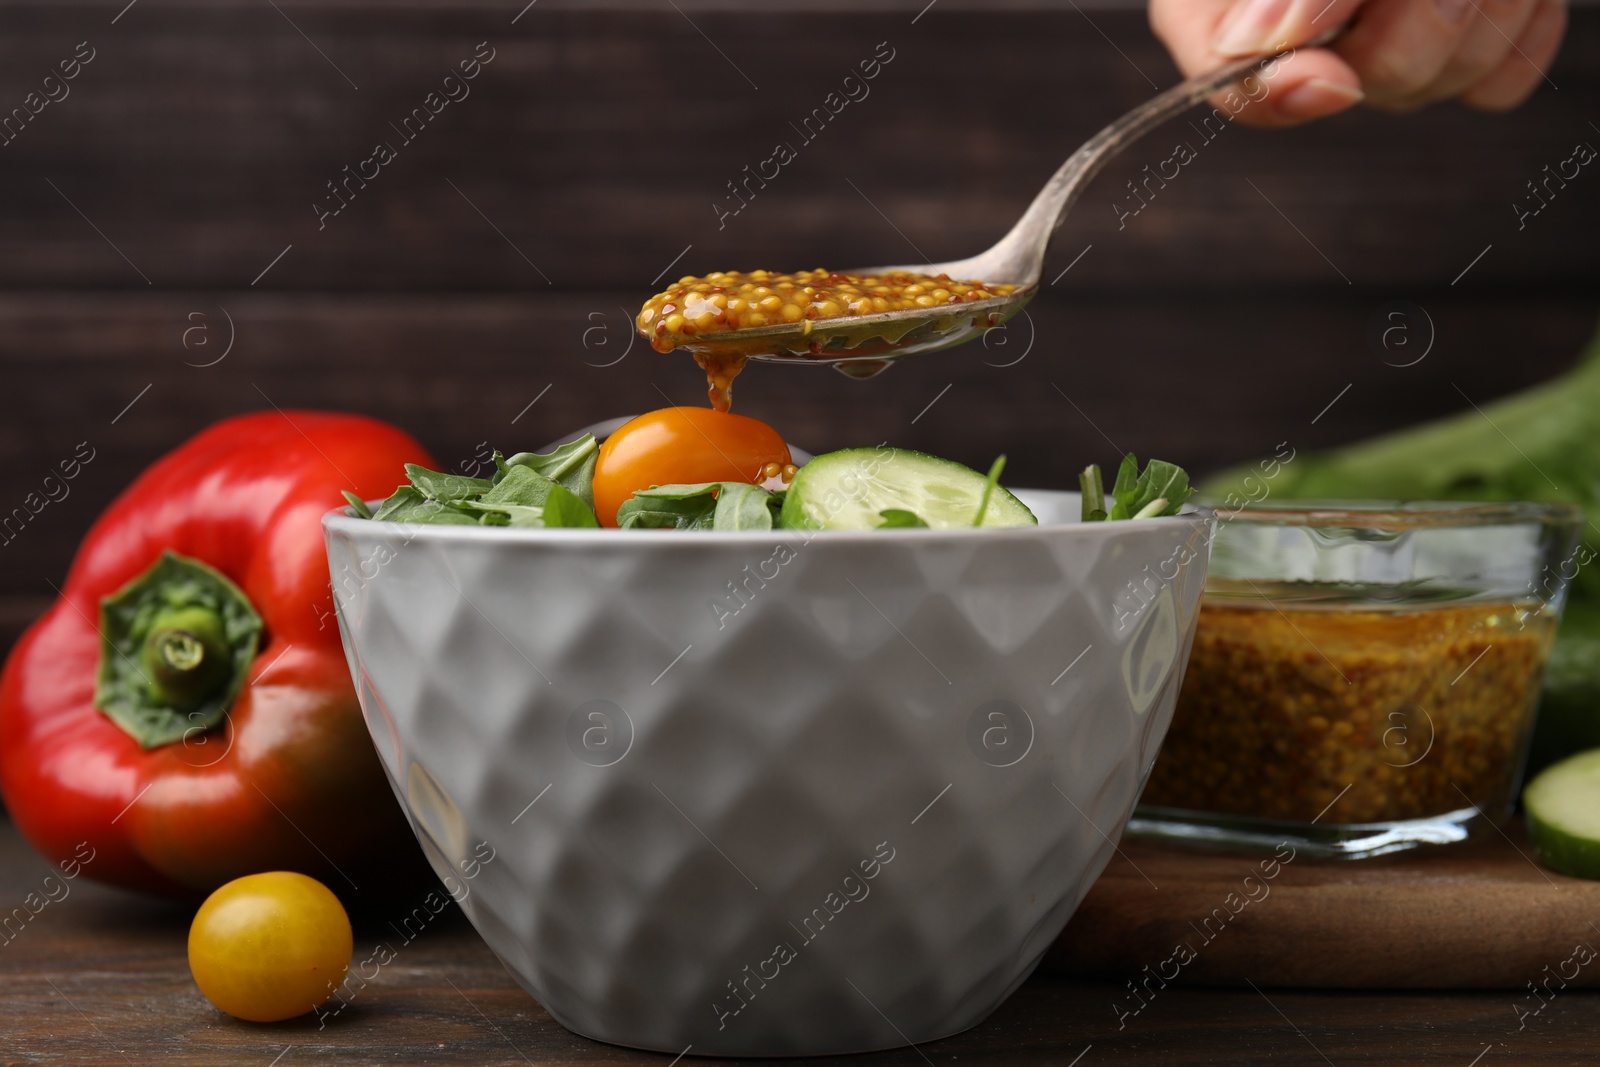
1520, 73
1495, 25
1310, 84
1191, 28
1261, 26
1401, 47
1307, 85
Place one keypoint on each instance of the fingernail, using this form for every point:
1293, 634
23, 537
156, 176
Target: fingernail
1316, 97
1250, 27
1453, 10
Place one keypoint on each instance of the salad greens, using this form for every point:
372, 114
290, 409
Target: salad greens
530, 489
871, 489
1162, 489
706, 506
571, 465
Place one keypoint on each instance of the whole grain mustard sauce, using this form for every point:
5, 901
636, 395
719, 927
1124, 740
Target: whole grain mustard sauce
1418, 711
725, 301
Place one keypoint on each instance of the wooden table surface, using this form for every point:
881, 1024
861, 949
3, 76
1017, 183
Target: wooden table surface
1477, 915
99, 977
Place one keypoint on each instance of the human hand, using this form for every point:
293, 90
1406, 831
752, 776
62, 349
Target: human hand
1397, 54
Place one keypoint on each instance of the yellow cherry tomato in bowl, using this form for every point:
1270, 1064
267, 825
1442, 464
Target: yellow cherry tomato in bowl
682, 446
270, 946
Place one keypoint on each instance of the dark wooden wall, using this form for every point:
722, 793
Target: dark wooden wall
501, 252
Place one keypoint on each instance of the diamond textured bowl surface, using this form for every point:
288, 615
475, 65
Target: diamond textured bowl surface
769, 794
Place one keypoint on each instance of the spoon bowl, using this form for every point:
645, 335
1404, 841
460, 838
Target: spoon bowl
862, 345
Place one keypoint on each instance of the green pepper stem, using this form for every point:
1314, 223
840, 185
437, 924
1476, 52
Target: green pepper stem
188, 657
176, 644
181, 650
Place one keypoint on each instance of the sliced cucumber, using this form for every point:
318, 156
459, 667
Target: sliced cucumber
847, 490
1564, 815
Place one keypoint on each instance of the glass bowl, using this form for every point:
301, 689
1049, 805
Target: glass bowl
1364, 675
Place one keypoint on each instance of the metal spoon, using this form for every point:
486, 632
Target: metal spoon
863, 345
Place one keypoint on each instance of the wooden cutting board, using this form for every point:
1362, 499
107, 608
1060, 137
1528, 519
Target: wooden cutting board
1481, 914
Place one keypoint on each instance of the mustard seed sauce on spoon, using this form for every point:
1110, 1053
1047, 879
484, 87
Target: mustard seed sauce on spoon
730, 301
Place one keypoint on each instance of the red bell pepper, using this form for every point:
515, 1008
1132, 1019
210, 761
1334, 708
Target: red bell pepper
185, 707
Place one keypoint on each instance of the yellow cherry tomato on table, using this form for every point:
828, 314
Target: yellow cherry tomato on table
682, 446
270, 946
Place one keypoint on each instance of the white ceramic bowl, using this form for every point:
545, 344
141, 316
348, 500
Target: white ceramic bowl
769, 794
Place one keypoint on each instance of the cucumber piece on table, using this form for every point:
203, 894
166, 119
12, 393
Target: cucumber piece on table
1563, 807
847, 490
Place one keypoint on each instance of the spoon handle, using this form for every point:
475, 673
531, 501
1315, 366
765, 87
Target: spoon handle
1087, 161
1021, 253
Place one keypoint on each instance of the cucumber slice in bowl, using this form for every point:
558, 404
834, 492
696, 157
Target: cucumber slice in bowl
849, 489
1563, 806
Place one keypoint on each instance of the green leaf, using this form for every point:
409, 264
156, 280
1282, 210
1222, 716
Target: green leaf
680, 491
1094, 493
1127, 475
1127, 478
495, 514
564, 508
667, 513
431, 511
742, 507
700, 506
559, 463
1162, 489
673, 507
899, 519
526, 498
358, 505
989, 483
520, 485
570, 466
403, 498
1161, 481
443, 487
527, 490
